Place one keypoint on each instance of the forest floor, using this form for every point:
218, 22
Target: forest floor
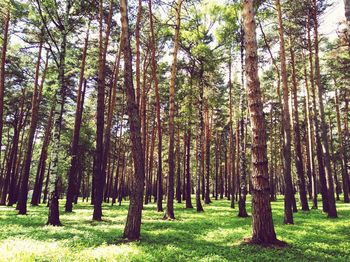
215, 235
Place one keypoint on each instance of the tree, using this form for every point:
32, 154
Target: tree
159, 126
133, 222
23, 193
169, 214
288, 213
2, 69
263, 228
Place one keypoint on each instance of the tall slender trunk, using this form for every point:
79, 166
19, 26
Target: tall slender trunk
60, 97
242, 161
231, 162
332, 211
199, 206
151, 160
217, 163
310, 137
101, 159
23, 193
178, 168
263, 228
4, 160
159, 124
344, 160
272, 155
297, 143
334, 160
188, 169
207, 155
169, 214
42, 162
76, 131
199, 142
288, 198
133, 222
2, 70
47, 183
316, 128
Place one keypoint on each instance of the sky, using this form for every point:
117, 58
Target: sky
331, 18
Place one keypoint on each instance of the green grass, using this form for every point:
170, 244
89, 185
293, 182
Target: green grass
215, 235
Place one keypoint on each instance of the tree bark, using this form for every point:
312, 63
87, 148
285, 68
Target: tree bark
332, 211
2, 69
23, 193
263, 228
133, 222
101, 159
178, 168
207, 155
76, 131
169, 213
297, 143
344, 166
288, 198
159, 125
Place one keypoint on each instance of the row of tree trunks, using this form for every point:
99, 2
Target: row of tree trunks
9, 182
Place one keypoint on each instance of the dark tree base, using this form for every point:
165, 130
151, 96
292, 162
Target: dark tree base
267, 244
243, 215
169, 216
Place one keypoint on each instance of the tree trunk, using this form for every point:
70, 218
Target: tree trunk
297, 143
76, 131
60, 96
207, 155
332, 211
343, 155
310, 137
288, 198
101, 159
159, 125
199, 207
334, 161
263, 228
169, 213
23, 193
178, 168
188, 169
217, 163
2, 70
133, 222
12, 158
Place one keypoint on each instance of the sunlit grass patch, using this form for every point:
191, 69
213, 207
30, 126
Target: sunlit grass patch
215, 235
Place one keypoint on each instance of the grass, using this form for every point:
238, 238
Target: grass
215, 235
